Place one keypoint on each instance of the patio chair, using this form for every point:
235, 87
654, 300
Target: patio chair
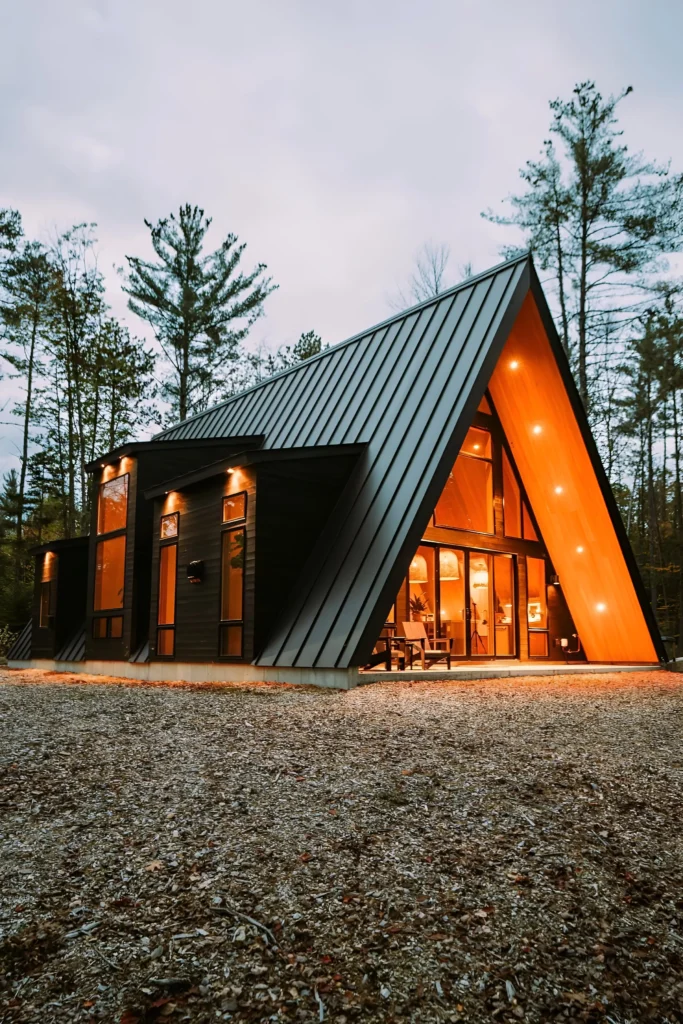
417, 641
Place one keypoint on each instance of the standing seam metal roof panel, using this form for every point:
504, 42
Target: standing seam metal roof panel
405, 388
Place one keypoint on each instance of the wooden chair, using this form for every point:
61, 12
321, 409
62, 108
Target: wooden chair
417, 640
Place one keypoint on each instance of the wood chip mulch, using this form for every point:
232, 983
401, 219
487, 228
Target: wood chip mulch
500, 850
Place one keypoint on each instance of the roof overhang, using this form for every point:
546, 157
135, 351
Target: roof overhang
241, 442
60, 545
252, 458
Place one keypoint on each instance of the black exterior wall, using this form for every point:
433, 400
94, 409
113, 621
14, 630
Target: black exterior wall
288, 504
146, 467
70, 584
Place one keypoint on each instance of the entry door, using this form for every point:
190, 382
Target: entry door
492, 604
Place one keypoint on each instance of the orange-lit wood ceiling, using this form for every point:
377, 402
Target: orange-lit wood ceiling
538, 420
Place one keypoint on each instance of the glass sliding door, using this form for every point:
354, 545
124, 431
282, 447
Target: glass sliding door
452, 600
422, 588
481, 605
504, 606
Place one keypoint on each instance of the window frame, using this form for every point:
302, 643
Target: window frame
227, 527
101, 486
169, 515
491, 461
108, 619
538, 630
100, 538
47, 599
167, 627
237, 519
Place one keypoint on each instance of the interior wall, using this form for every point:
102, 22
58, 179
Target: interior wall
556, 470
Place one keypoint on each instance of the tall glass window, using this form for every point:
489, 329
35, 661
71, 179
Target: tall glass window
512, 500
232, 592
48, 589
168, 566
113, 505
110, 565
537, 607
504, 605
452, 603
110, 556
466, 502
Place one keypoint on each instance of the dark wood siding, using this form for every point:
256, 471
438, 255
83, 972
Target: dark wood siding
70, 603
295, 501
146, 470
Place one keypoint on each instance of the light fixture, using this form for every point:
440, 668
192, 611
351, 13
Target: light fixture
558, 490
476, 447
418, 570
449, 568
600, 607
538, 429
228, 470
513, 364
579, 550
479, 573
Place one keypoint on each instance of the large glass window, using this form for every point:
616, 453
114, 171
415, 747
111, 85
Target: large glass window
110, 562
48, 589
529, 531
466, 502
512, 500
232, 592
113, 505
168, 564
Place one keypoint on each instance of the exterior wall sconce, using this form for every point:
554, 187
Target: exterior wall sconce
195, 571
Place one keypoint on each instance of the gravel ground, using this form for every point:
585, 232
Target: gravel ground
494, 850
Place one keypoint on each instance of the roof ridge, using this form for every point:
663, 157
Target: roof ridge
331, 349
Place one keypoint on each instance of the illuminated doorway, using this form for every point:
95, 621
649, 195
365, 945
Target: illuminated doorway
466, 596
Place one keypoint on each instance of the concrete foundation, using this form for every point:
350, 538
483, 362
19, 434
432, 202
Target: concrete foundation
200, 672
333, 678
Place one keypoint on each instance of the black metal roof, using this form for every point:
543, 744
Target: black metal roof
21, 648
407, 389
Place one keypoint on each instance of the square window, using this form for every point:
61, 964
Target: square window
235, 507
169, 526
165, 642
99, 628
538, 645
231, 641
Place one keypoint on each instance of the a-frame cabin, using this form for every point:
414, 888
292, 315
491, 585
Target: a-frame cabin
424, 496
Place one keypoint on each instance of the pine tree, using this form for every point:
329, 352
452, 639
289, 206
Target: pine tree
201, 307
27, 281
598, 218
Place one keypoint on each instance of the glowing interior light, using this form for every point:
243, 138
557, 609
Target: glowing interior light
228, 470
476, 447
579, 550
538, 429
559, 490
600, 607
514, 364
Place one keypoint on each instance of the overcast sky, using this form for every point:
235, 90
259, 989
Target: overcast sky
333, 137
